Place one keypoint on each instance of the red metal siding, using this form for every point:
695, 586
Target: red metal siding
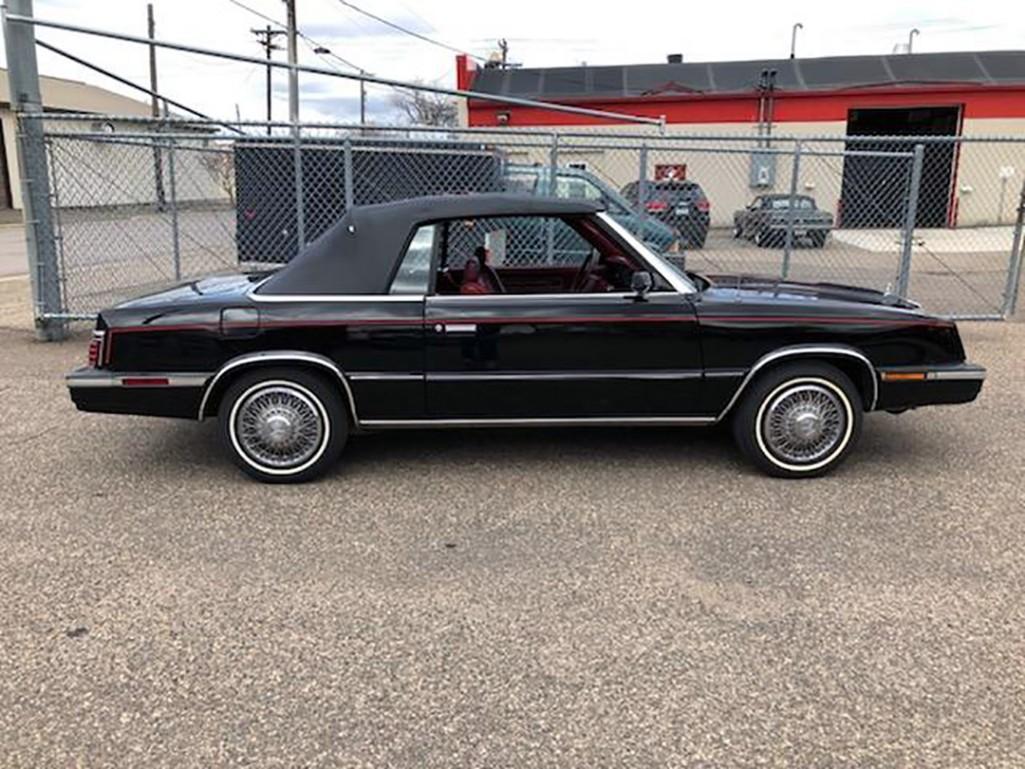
822, 106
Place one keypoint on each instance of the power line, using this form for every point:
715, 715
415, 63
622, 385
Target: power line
406, 31
313, 44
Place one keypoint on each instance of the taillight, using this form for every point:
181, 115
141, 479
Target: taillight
703, 205
654, 206
96, 349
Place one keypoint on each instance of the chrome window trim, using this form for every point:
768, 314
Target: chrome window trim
653, 260
250, 359
257, 297
619, 296
538, 422
114, 379
799, 351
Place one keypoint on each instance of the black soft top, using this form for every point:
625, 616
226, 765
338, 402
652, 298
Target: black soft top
358, 254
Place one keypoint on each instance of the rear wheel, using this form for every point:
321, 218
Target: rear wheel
283, 425
799, 421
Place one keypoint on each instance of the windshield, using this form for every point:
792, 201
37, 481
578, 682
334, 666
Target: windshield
675, 276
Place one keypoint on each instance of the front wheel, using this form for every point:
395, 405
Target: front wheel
283, 425
799, 421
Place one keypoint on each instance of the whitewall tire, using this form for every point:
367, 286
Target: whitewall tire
800, 420
283, 425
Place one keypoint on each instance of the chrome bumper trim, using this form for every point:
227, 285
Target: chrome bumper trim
100, 379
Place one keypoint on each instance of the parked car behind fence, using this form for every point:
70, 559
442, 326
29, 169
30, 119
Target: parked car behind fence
681, 204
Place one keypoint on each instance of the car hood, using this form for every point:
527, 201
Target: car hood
751, 288
214, 290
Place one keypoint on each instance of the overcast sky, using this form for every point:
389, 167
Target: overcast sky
540, 33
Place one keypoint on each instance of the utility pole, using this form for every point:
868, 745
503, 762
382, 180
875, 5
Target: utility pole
293, 73
266, 39
40, 242
158, 165
362, 100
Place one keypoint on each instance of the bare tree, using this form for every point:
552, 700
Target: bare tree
221, 167
426, 108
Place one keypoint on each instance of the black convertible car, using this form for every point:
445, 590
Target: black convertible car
450, 312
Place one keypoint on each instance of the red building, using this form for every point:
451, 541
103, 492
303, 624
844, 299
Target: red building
965, 93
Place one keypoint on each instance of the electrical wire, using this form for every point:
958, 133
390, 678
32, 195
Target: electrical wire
313, 44
406, 31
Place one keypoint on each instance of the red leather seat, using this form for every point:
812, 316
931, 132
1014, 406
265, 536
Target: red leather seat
488, 274
473, 281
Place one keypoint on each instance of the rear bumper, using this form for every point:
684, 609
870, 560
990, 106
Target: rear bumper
148, 393
905, 387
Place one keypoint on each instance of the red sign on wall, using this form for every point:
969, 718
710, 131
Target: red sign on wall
665, 172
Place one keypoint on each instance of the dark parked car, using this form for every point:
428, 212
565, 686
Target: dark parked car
681, 204
415, 314
579, 184
766, 219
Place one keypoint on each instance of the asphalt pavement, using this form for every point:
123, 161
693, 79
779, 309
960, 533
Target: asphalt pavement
510, 598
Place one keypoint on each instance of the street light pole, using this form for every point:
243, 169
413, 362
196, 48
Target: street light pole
911, 37
793, 39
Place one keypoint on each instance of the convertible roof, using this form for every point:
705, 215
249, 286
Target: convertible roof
357, 254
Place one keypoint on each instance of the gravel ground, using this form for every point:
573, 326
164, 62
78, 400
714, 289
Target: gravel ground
570, 597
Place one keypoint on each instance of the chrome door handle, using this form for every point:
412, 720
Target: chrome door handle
459, 328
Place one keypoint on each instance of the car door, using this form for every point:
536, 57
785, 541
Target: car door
562, 356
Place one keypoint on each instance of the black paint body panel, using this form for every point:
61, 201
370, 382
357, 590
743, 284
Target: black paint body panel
525, 356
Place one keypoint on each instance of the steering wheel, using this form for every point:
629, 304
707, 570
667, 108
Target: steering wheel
580, 279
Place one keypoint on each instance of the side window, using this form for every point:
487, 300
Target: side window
576, 187
531, 255
525, 184
516, 241
414, 273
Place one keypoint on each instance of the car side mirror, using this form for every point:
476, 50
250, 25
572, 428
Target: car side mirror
641, 283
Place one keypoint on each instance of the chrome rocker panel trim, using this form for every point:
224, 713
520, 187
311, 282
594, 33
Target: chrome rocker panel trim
537, 422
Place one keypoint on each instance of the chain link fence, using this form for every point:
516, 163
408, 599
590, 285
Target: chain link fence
139, 205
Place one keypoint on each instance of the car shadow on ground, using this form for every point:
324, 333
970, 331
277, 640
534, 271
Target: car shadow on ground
885, 442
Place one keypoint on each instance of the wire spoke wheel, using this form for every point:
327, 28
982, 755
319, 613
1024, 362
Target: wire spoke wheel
804, 423
279, 426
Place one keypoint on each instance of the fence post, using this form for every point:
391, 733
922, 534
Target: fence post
36, 202
176, 254
553, 178
1014, 265
788, 241
297, 165
904, 271
347, 172
642, 191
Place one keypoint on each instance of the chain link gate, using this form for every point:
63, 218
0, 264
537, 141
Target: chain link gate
143, 204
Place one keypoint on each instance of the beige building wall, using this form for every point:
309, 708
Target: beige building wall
59, 94
989, 175
722, 168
